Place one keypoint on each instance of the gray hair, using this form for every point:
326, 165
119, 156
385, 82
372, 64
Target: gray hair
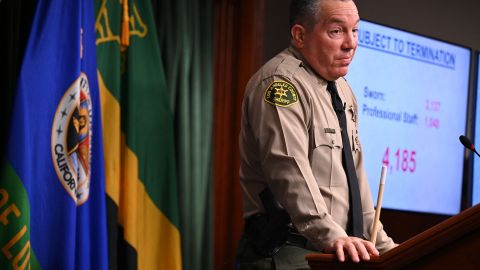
305, 12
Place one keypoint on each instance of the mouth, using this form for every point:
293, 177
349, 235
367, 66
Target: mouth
345, 61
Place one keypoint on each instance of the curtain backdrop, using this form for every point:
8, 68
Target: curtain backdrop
185, 34
238, 54
15, 21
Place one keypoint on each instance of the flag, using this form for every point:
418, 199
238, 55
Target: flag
142, 199
52, 202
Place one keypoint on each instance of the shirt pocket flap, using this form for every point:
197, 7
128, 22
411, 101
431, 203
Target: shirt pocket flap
330, 137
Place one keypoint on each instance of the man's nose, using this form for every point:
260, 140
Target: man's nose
350, 41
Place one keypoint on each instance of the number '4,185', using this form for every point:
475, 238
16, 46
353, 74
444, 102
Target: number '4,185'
403, 160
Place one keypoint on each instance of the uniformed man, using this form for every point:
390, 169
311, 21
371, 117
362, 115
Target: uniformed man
298, 183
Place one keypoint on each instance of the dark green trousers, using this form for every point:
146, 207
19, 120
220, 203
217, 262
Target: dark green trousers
287, 258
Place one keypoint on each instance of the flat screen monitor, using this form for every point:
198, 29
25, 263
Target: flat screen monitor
476, 141
412, 94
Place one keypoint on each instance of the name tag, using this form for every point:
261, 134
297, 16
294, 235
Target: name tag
330, 130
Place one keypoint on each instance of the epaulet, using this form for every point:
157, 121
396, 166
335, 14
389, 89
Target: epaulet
288, 67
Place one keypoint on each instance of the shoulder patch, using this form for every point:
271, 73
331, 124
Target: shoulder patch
281, 93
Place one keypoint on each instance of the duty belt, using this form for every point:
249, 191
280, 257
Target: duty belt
256, 227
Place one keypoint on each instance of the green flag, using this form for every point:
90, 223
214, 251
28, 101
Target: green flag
138, 139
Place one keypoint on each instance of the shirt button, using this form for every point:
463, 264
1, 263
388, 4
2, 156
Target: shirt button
333, 142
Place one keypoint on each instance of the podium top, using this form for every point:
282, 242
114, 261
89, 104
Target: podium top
457, 239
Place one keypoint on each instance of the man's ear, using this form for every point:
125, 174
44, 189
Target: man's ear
298, 35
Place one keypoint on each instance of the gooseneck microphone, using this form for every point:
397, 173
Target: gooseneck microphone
468, 144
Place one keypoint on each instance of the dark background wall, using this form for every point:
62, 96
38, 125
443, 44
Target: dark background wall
453, 21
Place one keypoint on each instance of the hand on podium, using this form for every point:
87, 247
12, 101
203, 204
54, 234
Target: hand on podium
356, 248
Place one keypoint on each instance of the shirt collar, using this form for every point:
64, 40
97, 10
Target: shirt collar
306, 65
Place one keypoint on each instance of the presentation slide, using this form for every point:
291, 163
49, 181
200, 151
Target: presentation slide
412, 104
476, 142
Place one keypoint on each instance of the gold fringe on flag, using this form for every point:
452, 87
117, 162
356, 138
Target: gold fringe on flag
125, 36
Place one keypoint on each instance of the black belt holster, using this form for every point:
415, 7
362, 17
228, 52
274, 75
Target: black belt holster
270, 231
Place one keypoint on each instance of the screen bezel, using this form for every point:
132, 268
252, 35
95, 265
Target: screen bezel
470, 156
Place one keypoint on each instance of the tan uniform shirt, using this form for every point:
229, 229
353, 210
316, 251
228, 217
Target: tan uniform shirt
293, 145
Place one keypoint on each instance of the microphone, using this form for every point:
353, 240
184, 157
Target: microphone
468, 144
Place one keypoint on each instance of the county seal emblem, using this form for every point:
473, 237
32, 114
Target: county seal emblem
71, 140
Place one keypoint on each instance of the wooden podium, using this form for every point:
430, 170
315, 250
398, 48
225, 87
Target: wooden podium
451, 244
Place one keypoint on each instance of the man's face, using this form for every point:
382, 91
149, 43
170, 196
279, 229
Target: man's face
331, 43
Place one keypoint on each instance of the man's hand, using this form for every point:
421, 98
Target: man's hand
355, 247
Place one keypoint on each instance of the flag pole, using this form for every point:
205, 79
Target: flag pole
125, 36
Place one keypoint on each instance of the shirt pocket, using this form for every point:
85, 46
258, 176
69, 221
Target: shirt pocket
326, 153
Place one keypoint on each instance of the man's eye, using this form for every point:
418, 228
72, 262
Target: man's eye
336, 32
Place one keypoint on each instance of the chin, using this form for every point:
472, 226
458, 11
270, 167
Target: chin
341, 72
